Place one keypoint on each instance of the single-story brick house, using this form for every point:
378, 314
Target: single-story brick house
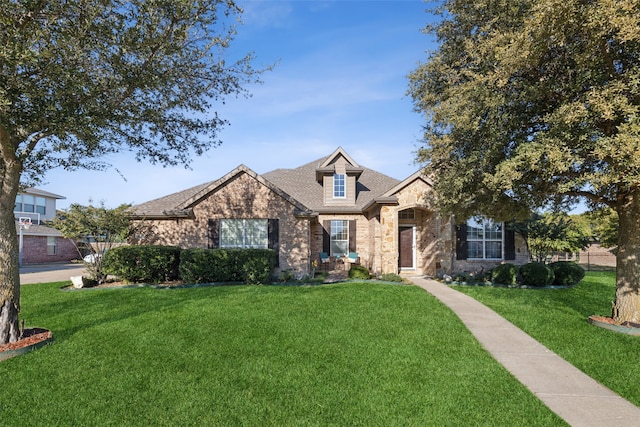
330, 206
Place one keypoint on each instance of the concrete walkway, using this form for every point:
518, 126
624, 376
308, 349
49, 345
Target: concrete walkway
567, 391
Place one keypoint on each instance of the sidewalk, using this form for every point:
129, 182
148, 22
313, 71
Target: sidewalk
567, 391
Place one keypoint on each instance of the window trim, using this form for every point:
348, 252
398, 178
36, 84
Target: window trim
339, 186
244, 222
344, 225
485, 222
52, 245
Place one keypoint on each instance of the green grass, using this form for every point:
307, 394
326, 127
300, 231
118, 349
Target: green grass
345, 354
558, 319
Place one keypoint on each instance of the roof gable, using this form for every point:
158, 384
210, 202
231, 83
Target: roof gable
302, 183
331, 159
416, 176
181, 204
216, 185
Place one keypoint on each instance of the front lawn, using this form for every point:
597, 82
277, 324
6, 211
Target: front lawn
558, 319
344, 354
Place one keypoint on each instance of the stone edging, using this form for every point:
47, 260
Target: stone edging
623, 329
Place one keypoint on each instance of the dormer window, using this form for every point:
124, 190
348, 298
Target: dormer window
339, 186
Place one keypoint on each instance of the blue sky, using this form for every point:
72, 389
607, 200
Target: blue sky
340, 80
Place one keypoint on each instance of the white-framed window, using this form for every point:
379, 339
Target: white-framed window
52, 245
339, 237
485, 239
339, 190
244, 233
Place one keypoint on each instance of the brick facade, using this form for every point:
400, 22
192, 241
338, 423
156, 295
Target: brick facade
380, 210
35, 249
242, 197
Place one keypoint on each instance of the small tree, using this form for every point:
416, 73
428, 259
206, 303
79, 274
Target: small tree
95, 230
549, 233
604, 223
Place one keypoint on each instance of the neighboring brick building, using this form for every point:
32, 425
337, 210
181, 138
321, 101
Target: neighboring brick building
331, 206
41, 244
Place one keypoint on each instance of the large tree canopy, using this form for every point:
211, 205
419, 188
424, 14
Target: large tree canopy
536, 103
83, 78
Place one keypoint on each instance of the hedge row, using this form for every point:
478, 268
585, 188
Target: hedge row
562, 273
251, 266
537, 274
143, 264
155, 264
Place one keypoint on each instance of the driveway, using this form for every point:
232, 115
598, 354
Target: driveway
43, 273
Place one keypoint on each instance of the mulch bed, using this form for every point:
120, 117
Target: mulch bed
610, 321
29, 337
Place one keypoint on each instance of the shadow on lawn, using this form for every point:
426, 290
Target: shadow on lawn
80, 311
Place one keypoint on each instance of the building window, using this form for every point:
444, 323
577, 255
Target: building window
407, 214
52, 245
41, 205
244, 233
339, 237
29, 203
484, 239
338, 186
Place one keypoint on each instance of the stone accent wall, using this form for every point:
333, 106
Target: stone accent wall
427, 234
388, 239
34, 250
242, 197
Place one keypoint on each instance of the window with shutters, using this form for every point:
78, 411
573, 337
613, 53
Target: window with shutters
244, 233
484, 239
339, 237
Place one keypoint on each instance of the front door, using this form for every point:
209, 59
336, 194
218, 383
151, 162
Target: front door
406, 247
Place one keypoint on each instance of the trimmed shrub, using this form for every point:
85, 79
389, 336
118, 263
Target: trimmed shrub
391, 277
504, 274
359, 272
143, 263
536, 274
285, 276
257, 270
567, 273
252, 266
462, 277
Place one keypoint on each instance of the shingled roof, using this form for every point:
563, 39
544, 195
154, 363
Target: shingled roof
299, 186
164, 206
180, 204
302, 185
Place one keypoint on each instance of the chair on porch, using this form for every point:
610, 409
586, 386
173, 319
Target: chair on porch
353, 258
325, 259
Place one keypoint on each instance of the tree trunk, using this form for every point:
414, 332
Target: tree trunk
10, 170
9, 272
626, 307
